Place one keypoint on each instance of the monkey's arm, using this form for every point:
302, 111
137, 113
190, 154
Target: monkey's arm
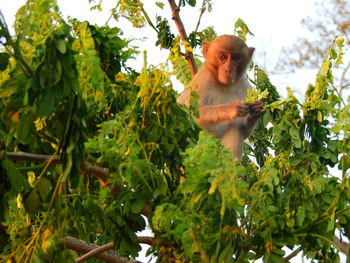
215, 114
222, 112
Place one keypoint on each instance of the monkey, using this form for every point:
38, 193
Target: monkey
222, 85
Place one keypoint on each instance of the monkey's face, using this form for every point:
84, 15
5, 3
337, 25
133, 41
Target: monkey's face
227, 58
230, 66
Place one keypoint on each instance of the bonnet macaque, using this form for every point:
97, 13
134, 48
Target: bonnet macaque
222, 87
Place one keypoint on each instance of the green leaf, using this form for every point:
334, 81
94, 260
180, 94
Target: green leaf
332, 53
191, 2
25, 127
300, 216
35, 258
325, 67
242, 29
46, 103
120, 221
61, 46
279, 252
68, 166
276, 256
43, 75
32, 201
160, 4
4, 206
4, 61
137, 206
17, 180
331, 224
44, 187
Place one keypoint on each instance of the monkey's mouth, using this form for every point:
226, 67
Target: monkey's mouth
227, 80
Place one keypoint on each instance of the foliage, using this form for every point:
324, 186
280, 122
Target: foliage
241, 29
66, 91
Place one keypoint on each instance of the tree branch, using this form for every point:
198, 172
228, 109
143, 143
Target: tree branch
145, 240
202, 10
342, 78
180, 27
293, 254
94, 252
101, 173
23, 156
107, 256
98, 250
342, 246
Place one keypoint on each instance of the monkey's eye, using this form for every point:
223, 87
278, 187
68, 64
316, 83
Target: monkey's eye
236, 57
222, 57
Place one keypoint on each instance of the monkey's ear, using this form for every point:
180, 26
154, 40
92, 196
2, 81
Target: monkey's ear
205, 47
251, 51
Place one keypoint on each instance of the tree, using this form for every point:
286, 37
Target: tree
332, 20
89, 146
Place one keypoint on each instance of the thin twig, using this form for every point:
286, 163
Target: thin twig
180, 27
342, 78
202, 10
148, 19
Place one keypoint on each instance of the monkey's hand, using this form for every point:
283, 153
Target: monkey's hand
256, 110
240, 108
256, 107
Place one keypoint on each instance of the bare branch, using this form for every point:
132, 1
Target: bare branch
107, 256
33, 157
180, 27
342, 246
99, 172
293, 254
100, 251
145, 240
95, 252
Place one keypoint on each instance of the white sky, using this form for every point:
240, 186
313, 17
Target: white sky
275, 24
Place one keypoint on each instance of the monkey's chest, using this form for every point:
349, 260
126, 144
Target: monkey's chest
217, 97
